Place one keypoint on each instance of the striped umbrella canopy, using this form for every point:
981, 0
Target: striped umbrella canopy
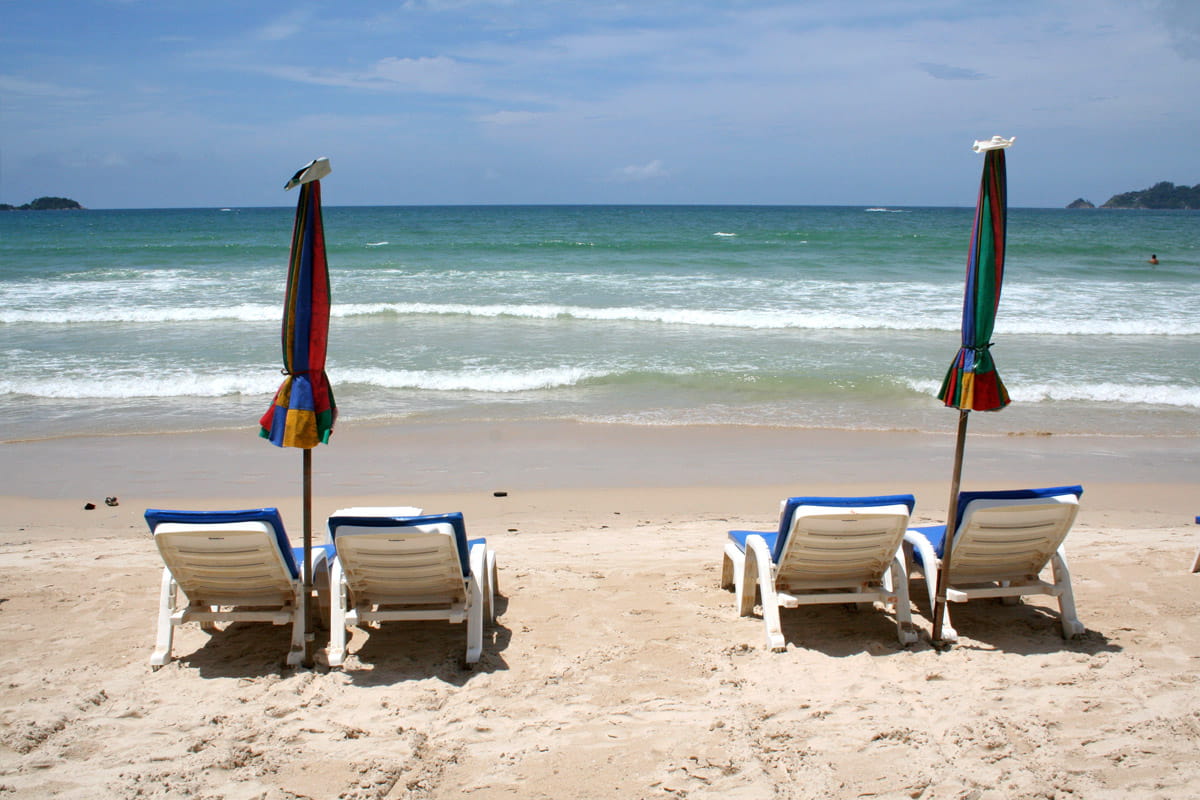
303, 411
972, 383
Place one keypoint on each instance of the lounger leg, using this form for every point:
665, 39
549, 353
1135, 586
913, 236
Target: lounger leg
490, 593
295, 656
321, 587
475, 603
745, 586
949, 634
728, 581
338, 595
931, 565
903, 611
166, 630
1071, 626
758, 559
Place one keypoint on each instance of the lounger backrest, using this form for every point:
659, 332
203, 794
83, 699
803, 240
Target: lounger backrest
227, 563
840, 541
412, 560
1011, 534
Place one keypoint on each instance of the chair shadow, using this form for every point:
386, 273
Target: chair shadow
394, 652
241, 650
1031, 627
842, 629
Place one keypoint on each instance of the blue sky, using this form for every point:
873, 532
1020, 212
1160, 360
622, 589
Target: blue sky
178, 103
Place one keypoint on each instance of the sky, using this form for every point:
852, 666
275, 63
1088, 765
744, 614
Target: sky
179, 103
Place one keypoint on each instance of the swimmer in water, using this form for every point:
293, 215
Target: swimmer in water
1153, 258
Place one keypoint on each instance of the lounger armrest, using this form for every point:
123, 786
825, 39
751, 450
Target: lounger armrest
924, 549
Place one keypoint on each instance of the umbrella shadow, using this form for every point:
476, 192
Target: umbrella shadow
841, 630
1025, 628
395, 652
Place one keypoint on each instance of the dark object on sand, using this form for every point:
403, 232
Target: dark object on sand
499, 494
111, 501
89, 506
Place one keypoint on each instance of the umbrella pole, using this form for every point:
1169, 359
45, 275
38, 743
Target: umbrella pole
943, 576
308, 576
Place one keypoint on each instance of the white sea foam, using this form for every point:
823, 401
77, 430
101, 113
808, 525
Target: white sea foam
482, 380
852, 315
834, 308
1138, 394
104, 386
245, 312
723, 233
377, 244
758, 319
1102, 392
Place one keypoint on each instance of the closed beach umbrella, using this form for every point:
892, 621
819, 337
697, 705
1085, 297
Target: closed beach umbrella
303, 411
972, 383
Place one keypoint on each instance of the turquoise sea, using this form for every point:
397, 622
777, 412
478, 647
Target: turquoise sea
827, 317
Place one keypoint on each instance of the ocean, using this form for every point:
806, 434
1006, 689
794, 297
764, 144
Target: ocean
116, 322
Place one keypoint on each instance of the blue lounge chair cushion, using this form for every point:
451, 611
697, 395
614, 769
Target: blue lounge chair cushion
455, 519
291, 556
777, 539
936, 534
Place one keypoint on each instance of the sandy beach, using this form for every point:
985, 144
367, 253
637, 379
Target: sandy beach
617, 667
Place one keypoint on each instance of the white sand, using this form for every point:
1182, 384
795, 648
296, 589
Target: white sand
617, 667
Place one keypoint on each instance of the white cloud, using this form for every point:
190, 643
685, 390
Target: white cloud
14, 84
284, 27
945, 72
636, 173
437, 74
505, 118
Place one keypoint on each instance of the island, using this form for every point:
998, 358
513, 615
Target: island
1079, 202
44, 204
1161, 195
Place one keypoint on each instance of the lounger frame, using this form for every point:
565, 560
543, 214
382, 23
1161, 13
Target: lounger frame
408, 569
841, 553
227, 572
1001, 549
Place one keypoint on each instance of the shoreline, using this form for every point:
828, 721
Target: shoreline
566, 469
476, 456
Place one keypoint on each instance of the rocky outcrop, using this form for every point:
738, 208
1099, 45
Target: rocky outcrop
44, 204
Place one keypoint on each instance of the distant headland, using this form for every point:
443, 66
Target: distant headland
1161, 195
44, 204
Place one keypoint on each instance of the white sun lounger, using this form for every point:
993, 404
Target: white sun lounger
232, 566
827, 550
1004, 541
398, 567
1196, 560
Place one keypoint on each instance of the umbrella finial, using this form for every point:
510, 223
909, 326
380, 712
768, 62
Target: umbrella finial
995, 143
312, 171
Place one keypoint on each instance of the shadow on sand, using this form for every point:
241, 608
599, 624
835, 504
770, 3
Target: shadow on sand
391, 653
